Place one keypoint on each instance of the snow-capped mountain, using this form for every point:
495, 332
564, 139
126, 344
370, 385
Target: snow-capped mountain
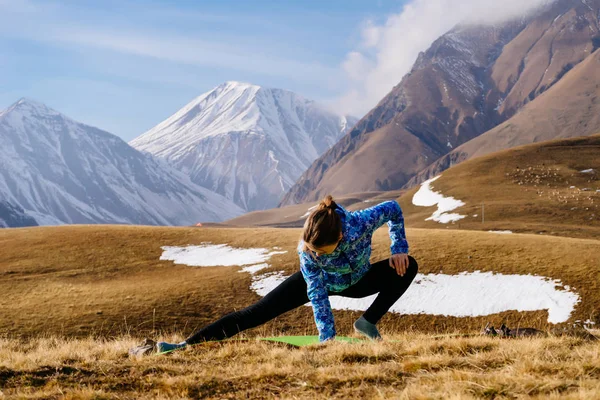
54, 170
245, 142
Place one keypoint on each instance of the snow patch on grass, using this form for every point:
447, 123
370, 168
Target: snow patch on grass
252, 269
211, 255
468, 294
426, 197
265, 283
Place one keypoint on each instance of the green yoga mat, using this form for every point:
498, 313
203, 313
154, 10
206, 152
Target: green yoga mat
306, 340
297, 341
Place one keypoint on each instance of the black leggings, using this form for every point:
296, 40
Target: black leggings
291, 293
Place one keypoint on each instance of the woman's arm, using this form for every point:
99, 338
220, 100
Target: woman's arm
317, 294
374, 217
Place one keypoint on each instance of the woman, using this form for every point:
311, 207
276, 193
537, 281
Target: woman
334, 260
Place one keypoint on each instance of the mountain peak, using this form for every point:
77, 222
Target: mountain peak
245, 142
29, 101
241, 90
238, 84
30, 106
231, 87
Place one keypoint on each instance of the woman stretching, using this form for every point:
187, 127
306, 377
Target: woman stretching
334, 260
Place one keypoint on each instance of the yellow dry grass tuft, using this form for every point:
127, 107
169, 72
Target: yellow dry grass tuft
408, 366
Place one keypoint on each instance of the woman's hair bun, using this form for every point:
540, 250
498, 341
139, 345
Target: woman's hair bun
327, 202
322, 227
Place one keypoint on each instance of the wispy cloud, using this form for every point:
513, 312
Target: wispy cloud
388, 51
52, 24
191, 51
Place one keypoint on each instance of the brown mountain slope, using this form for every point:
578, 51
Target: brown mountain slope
468, 82
547, 48
571, 108
435, 107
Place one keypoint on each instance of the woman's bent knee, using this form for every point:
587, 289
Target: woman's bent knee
411, 271
412, 263
413, 266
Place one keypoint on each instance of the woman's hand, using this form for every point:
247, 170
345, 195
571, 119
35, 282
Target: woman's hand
400, 263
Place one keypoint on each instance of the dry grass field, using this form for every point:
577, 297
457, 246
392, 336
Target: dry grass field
76, 298
108, 280
410, 366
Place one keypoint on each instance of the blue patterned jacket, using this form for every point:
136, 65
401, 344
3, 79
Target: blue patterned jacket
350, 261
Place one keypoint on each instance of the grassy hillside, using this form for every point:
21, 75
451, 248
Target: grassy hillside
108, 280
413, 366
537, 188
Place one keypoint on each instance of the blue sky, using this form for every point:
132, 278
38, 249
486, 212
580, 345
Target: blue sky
126, 65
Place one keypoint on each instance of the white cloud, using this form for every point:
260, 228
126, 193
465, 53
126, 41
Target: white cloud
388, 51
356, 66
371, 34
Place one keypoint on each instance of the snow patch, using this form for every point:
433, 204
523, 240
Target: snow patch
502, 232
265, 283
468, 294
254, 268
426, 197
211, 255
588, 171
499, 104
308, 212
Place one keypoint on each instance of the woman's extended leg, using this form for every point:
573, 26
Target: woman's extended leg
290, 294
382, 279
